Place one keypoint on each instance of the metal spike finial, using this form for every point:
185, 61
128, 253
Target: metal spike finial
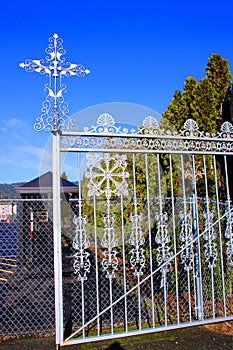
55, 67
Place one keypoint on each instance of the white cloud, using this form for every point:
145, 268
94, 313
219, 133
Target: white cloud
18, 163
31, 150
14, 122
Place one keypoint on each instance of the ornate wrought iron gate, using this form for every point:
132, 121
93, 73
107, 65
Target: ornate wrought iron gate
150, 240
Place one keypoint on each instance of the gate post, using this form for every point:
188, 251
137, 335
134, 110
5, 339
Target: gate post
57, 237
55, 68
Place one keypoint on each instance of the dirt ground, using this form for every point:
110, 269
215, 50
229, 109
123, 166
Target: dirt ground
224, 328
211, 337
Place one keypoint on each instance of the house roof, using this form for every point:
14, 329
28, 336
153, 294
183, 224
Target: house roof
44, 184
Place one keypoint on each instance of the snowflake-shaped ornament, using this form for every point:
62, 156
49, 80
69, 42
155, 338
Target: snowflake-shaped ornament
107, 175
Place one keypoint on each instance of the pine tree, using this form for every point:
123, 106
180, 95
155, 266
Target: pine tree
207, 102
202, 101
219, 75
171, 118
188, 97
206, 107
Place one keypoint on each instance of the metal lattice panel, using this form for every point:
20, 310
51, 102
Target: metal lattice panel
27, 277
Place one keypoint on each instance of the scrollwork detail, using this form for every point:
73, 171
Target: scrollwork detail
210, 246
137, 257
229, 237
162, 238
186, 237
55, 67
80, 244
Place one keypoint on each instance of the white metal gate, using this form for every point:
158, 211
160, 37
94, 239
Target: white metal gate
148, 243
150, 240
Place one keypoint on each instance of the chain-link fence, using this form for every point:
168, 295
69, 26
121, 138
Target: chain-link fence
26, 268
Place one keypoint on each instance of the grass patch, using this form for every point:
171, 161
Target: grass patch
195, 338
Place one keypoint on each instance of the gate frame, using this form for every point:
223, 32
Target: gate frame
220, 144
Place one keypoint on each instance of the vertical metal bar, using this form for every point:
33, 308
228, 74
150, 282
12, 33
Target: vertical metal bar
57, 238
227, 186
135, 213
161, 212
194, 259
139, 303
208, 213
83, 306
220, 234
150, 243
109, 244
197, 245
185, 217
79, 185
96, 268
174, 239
111, 309
124, 268
80, 214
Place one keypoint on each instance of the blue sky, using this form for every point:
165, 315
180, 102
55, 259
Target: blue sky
138, 53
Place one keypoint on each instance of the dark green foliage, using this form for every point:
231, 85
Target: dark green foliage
219, 75
203, 101
208, 103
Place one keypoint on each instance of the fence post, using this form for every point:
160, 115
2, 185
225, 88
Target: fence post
57, 238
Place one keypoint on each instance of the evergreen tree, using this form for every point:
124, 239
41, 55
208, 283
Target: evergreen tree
219, 75
188, 97
202, 101
171, 118
207, 102
205, 107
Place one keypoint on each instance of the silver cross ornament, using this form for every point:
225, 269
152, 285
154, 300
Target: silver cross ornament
55, 67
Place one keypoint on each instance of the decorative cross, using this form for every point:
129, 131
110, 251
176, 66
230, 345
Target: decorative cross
55, 68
